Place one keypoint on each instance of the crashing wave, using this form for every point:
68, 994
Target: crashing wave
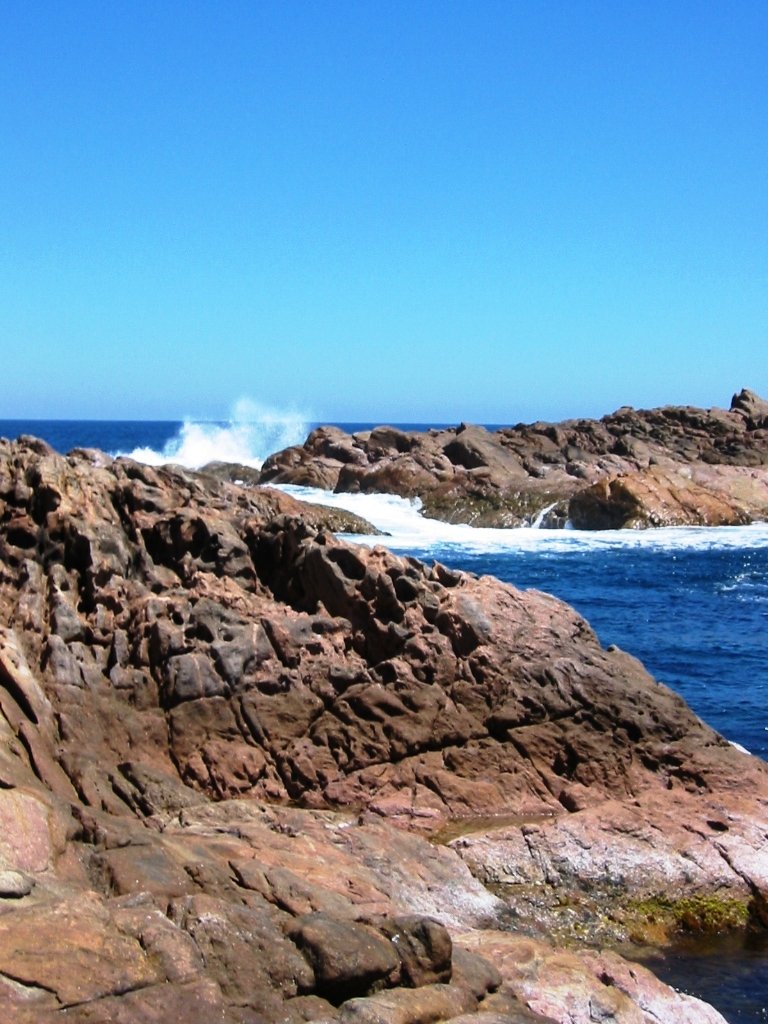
251, 434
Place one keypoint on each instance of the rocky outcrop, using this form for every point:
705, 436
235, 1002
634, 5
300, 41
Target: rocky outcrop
224, 733
669, 466
320, 517
681, 496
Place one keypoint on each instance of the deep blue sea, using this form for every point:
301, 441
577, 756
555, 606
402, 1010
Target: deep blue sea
692, 604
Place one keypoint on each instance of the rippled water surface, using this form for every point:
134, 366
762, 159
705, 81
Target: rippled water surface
731, 973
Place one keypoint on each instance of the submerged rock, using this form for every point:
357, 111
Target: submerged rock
224, 734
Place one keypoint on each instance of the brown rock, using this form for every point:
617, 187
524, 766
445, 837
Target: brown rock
424, 947
181, 661
244, 951
197, 1002
752, 407
581, 987
658, 497
28, 826
474, 972
348, 959
527, 473
73, 951
406, 1006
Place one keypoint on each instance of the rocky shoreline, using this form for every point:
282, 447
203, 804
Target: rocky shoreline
674, 466
252, 773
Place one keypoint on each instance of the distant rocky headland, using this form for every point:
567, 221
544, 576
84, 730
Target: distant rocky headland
250, 773
673, 466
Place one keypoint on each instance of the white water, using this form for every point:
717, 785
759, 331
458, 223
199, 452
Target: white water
251, 434
254, 432
408, 530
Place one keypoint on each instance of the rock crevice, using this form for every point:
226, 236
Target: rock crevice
224, 733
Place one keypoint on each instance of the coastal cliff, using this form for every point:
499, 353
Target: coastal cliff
251, 773
673, 466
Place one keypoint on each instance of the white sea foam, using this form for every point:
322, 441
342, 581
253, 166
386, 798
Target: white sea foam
251, 434
408, 530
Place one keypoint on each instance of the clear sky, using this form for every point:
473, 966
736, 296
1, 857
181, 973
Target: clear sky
400, 210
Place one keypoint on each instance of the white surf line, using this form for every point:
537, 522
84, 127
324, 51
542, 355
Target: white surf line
406, 528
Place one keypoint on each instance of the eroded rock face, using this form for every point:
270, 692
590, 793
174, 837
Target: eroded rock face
182, 663
582, 987
686, 496
660, 467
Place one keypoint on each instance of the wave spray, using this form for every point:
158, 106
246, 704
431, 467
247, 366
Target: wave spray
252, 432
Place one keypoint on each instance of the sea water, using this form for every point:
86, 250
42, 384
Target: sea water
691, 603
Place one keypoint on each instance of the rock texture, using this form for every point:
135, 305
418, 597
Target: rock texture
663, 467
224, 733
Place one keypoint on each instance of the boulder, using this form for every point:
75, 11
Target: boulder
752, 407
348, 959
656, 497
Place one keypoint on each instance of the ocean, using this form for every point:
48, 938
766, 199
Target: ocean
691, 603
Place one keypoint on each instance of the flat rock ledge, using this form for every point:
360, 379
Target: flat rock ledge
229, 742
674, 466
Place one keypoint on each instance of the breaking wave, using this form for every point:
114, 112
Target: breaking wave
252, 433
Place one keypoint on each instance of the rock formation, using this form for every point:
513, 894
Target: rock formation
225, 733
664, 467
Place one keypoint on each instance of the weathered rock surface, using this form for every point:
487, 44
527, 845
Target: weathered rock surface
321, 517
583, 987
212, 717
634, 468
681, 496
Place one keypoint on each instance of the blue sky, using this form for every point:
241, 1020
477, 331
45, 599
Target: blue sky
401, 211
